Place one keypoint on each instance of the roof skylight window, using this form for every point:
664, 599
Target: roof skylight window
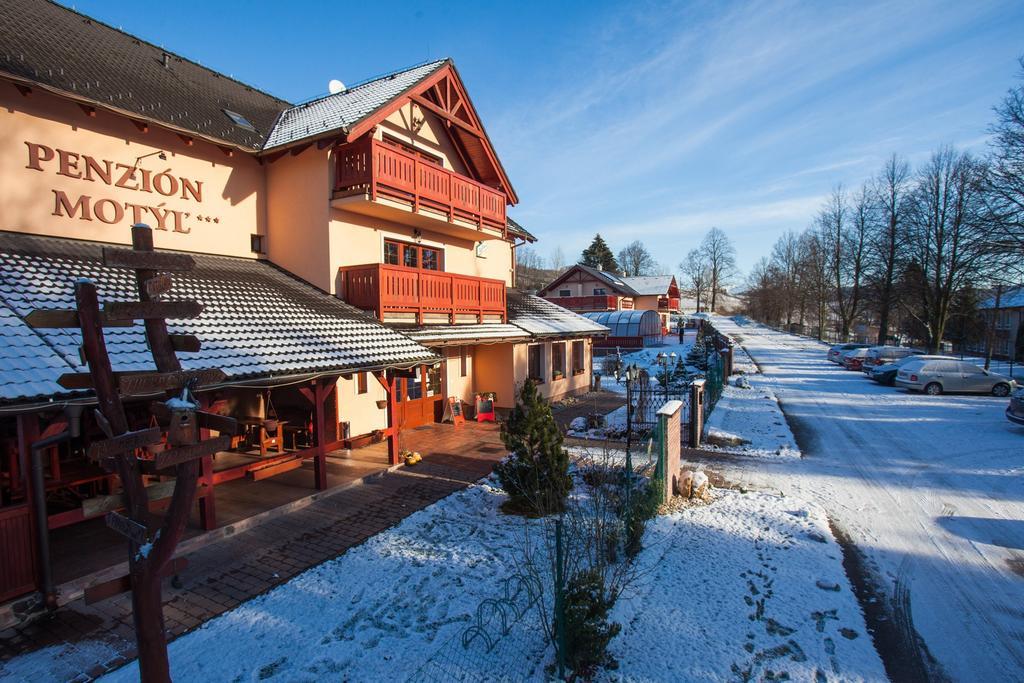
239, 120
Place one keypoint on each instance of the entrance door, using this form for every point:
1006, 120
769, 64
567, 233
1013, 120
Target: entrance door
419, 397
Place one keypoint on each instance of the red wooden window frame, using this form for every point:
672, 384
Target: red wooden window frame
411, 149
558, 359
361, 383
535, 363
398, 253
578, 358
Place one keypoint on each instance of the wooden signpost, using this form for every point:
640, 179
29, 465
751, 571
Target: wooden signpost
151, 550
453, 411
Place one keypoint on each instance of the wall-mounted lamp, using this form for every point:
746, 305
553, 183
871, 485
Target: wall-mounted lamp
160, 152
417, 234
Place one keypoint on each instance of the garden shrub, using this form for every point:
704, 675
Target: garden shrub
535, 474
587, 629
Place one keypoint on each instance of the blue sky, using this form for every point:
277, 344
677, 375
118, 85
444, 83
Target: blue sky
643, 120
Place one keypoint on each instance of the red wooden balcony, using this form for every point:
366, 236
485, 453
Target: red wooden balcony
668, 304
400, 294
586, 303
381, 170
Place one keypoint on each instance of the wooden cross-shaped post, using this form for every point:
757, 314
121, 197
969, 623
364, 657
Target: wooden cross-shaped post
150, 548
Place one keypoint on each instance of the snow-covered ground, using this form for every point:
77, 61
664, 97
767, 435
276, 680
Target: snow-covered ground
744, 588
748, 409
750, 587
929, 488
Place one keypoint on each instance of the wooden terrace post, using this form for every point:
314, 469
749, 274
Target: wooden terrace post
320, 394
390, 388
208, 502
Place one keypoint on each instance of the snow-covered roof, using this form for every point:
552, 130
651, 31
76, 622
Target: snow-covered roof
649, 284
344, 109
1012, 297
483, 333
541, 318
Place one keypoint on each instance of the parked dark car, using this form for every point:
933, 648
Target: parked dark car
880, 355
886, 374
1015, 411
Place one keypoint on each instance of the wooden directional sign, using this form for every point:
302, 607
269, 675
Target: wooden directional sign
83, 380
124, 443
127, 527
153, 382
158, 284
220, 423
145, 310
63, 317
176, 456
147, 260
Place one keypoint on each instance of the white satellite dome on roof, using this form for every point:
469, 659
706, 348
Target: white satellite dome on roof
335, 86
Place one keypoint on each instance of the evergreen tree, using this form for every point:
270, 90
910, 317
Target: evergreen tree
535, 475
598, 255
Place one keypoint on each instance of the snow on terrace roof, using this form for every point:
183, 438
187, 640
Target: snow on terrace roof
649, 284
541, 318
258, 321
344, 109
446, 335
1012, 297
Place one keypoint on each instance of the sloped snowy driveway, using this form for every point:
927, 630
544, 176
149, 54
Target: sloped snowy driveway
929, 488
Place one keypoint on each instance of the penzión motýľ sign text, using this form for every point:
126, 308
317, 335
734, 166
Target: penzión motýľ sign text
86, 207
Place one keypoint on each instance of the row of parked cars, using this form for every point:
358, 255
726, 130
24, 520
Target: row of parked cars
934, 375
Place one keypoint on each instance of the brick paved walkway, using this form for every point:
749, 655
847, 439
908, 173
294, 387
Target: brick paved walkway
224, 574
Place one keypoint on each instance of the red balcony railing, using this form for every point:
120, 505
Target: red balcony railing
428, 294
669, 304
385, 171
586, 303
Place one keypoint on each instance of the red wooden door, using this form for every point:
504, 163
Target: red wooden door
18, 559
418, 398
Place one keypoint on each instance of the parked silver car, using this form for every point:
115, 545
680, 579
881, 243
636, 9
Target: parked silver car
937, 376
835, 353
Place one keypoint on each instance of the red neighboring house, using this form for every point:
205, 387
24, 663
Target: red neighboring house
584, 289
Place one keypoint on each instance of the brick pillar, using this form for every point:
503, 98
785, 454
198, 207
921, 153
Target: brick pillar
696, 412
671, 445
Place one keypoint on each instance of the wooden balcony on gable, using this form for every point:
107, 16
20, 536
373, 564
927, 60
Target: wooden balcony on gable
378, 179
396, 294
587, 303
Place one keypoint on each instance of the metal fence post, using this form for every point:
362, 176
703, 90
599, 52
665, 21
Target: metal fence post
560, 599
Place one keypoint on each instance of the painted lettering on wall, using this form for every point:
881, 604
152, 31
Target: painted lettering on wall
89, 207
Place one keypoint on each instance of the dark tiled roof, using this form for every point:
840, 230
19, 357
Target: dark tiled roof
49, 44
518, 230
258, 320
541, 318
343, 110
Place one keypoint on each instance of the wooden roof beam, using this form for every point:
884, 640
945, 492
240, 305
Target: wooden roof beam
430, 106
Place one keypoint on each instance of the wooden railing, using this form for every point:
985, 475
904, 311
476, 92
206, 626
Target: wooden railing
386, 171
670, 304
386, 289
586, 303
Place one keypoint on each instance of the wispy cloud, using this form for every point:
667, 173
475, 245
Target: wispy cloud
767, 103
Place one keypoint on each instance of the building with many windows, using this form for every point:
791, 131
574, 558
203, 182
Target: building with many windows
353, 254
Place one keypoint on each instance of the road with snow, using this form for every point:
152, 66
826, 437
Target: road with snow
928, 488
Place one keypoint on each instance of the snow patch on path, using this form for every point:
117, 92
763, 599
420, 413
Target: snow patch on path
751, 413
750, 587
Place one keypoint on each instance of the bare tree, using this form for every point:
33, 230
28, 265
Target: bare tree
634, 259
891, 189
948, 240
696, 276
557, 260
843, 233
786, 261
1005, 177
720, 256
